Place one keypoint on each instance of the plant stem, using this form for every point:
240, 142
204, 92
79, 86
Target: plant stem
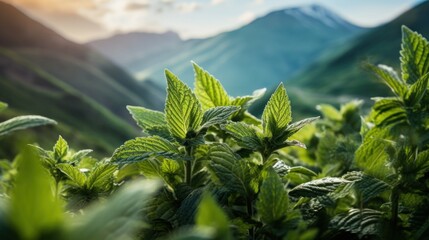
394, 199
188, 166
249, 206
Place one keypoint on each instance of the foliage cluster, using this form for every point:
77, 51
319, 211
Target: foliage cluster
213, 171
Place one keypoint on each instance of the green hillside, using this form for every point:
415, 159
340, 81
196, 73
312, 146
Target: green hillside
43, 73
342, 73
258, 55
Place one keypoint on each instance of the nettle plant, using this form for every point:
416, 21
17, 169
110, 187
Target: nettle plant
206, 141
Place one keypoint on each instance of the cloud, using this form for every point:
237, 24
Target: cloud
246, 17
54, 5
217, 2
258, 1
188, 7
136, 6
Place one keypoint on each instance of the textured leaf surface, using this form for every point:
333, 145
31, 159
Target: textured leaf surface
318, 187
277, 113
226, 168
209, 90
368, 186
80, 154
183, 111
296, 126
391, 78
23, 122
414, 56
363, 222
141, 148
61, 148
389, 112
217, 115
417, 90
101, 175
272, 201
146, 118
73, 173
245, 135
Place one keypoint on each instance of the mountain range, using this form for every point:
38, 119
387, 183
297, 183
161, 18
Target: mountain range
261, 54
43, 73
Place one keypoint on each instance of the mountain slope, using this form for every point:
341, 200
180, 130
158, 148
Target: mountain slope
43, 73
260, 54
126, 48
343, 73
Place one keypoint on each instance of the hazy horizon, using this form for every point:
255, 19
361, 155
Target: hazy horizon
87, 20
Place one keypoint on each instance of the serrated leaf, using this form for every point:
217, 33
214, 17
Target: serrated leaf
368, 186
414, 56
60, 148
302, 170
161, 131
364, 222
318, 187
79, 155
101, 176
217, 115
293, 128
209, 90
224, 165
245, 135
119, 217
389, 112
277, 113
182, 109
417, 90
212, 216
73, 173
272, 203
139, 149
391, 78
24, 122
146, 118
186, 213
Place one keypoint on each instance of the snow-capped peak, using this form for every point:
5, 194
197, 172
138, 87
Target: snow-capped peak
320, 14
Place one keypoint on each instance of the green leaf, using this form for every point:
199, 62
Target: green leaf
364, 222
389, 112
101, 176
141, 148
245, 135
117, 218
211, 215
3, 106
371, 155
272, 204
369, 187
225, 166
80, 155
147, 118
34, 210
414, 56
182, 109
209, 90
329, 112
318, 187
73, 173
23, 122
217, 115
417, 90
296, 126
391, 78
61, 148
277, 113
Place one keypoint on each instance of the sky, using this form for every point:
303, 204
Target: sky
85, 20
